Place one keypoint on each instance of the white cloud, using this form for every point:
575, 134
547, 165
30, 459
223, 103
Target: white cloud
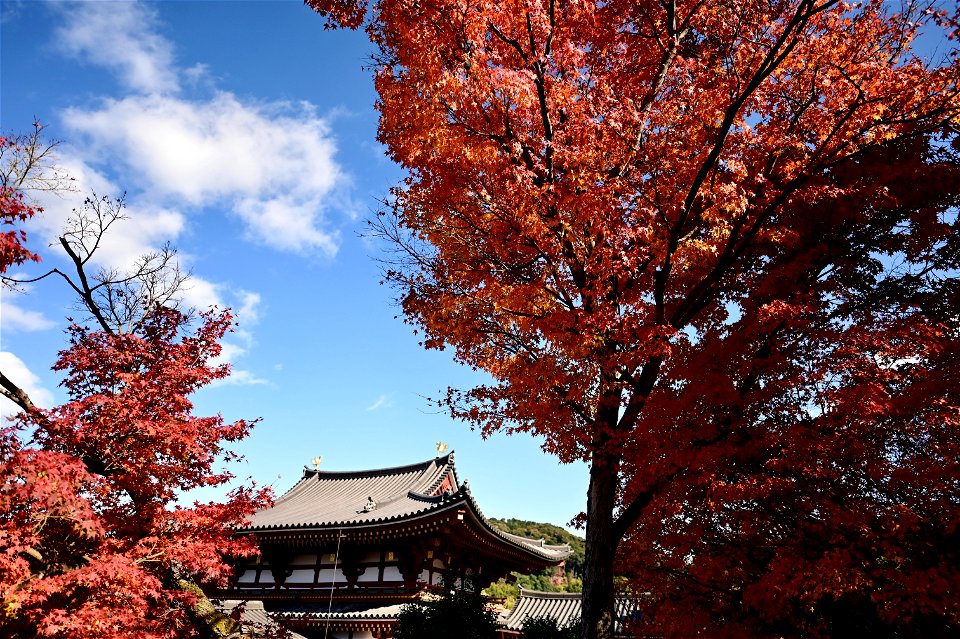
120, 36
201, 294
57, 206
272, 164
14, 368
237, 343
16, 319
197, 73
384, 401
240, 377
248, 313
149, 225
285, 224
147, 229
229, 352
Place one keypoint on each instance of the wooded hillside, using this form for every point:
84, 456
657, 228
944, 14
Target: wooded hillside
565, 578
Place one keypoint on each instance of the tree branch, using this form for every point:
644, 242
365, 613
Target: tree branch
15, 394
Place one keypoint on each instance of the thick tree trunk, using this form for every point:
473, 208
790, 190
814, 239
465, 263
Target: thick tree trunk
598, 595
208, 620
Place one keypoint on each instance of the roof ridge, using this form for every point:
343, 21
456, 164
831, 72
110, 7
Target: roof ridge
309, 473
542, 594
372, 472
448, 469
433, 499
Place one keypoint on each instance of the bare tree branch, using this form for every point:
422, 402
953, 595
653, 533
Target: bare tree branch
30, 164
14, 393
117, 300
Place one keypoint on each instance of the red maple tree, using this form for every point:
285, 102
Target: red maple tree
810, 485
683, 238
13, 211
93, 543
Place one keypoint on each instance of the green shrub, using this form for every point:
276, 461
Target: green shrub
548, 628
460, 613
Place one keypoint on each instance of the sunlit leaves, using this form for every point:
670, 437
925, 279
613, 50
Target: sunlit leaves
710, 248
92, 542
13, 211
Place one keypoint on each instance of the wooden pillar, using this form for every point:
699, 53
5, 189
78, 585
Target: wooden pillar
410, 564
350, 566
278, 557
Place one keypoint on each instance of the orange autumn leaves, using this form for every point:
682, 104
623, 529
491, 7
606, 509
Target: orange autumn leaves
594, 174
711, 249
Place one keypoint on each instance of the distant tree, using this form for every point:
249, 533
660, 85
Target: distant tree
503, 591
460, 612
92, 541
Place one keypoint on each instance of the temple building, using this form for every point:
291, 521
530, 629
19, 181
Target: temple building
341, 552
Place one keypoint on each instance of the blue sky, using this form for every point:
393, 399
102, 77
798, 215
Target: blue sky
245, 134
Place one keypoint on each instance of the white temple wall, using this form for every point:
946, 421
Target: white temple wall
392, 573
302, 575
328, 575
369, 574
247, 577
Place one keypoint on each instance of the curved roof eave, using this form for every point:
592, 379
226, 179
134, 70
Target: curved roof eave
555, 553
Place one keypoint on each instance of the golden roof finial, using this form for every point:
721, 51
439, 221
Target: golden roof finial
317, 461
441, 448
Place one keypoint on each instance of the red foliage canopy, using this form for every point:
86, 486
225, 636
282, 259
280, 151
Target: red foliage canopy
92, 542
711, 248
13, 210
801, 479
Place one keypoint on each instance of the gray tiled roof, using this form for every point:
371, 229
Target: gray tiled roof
562, 606
338, 500
254, 620
565, 607
355, 612
329, 499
